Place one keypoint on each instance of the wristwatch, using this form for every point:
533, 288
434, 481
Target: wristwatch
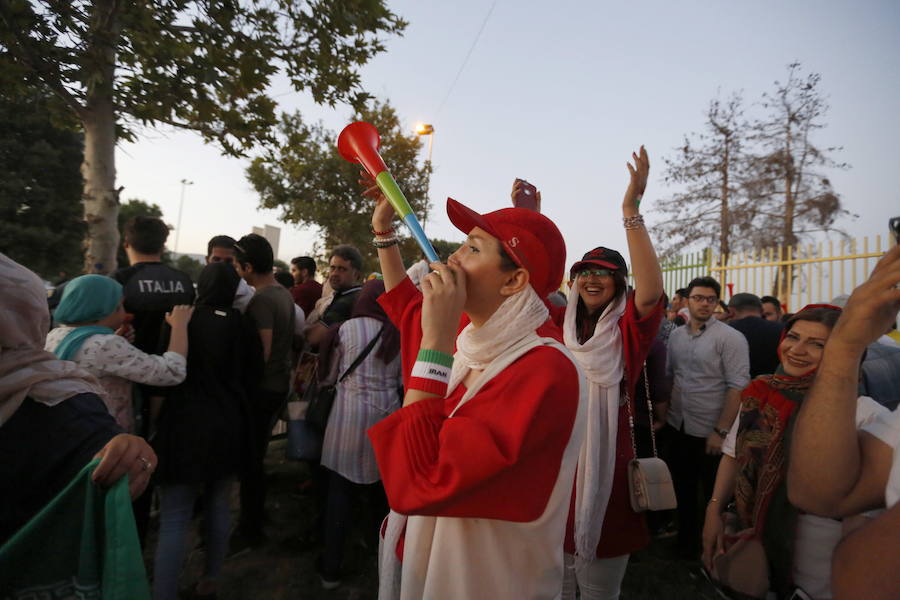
723, 433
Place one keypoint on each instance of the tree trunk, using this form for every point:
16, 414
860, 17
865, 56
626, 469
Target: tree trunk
788, 237
724, 216
101, 199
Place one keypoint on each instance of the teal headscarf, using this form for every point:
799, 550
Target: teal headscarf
85, 299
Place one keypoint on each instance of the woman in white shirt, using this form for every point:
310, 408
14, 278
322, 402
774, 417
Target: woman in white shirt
90, 316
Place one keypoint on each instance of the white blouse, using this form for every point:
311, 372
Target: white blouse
116, 364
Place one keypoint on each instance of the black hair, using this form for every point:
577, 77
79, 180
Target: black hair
348, 253
820, 314
305, 262
704, 282
220, 241
285, 279
506, 261
771, 300
255, 250
743, 301
146, 235
683, 292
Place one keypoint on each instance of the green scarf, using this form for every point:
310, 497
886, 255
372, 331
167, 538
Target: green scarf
75, 338
85, 299
88, 299
83, 543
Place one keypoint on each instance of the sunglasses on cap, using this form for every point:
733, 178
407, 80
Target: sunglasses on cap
594, 272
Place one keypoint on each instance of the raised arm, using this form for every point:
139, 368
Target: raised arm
392, 268
833, 469
648, 281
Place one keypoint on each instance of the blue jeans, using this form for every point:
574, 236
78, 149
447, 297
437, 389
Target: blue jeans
176, 512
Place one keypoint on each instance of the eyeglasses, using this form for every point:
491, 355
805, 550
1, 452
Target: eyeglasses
594, 273
707, 299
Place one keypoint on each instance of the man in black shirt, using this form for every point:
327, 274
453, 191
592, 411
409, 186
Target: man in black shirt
762, 336
151, 288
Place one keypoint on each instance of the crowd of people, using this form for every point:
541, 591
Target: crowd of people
489, 411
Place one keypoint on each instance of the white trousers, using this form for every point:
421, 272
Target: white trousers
601, 579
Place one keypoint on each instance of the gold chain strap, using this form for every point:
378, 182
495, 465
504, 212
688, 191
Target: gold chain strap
649, 413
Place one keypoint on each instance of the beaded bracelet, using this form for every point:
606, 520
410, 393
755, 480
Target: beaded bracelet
385, 243
431, 372
635, 222
392, 229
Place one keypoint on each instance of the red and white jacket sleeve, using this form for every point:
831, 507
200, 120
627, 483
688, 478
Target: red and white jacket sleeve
498, 457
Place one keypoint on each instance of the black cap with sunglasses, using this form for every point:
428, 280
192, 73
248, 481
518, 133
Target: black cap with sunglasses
601, 257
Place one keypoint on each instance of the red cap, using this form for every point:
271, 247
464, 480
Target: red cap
531, 240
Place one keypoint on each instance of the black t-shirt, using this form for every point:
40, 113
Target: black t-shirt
151, 290
762, 337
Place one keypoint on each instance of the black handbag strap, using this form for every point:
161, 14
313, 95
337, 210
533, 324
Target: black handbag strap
362, 356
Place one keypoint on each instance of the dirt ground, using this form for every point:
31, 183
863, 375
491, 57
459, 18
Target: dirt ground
284, 567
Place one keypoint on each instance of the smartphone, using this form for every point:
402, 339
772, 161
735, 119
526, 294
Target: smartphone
894, 226
526, 197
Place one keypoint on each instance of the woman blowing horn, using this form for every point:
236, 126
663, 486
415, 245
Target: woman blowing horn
482, 456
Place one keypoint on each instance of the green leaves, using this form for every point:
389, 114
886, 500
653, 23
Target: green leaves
205, 66
305, 177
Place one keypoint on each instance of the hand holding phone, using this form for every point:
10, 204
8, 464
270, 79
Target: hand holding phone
525, 195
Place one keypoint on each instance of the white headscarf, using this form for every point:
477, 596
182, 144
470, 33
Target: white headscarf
602, 359
26, 369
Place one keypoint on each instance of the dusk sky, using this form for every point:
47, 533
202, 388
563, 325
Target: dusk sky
560, 94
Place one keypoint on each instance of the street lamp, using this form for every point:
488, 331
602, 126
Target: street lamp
426, 129
184, 183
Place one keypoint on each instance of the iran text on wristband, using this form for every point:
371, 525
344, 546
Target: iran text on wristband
431, 372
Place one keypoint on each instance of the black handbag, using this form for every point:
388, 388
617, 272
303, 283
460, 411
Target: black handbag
321, 397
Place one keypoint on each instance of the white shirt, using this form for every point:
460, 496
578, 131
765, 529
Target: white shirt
886, 427
116, 364
243, 295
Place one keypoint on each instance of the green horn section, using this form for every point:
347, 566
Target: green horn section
392, 192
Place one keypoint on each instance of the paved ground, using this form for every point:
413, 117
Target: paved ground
284, 567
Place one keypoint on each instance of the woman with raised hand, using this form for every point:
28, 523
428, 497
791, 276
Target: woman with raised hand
610, 331
798, 546
91, 317
481, 457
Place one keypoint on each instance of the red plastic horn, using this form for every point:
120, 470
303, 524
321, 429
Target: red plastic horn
359, 142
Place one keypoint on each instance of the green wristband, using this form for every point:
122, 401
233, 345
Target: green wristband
435, 356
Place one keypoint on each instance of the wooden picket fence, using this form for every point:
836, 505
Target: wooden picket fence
795, 275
